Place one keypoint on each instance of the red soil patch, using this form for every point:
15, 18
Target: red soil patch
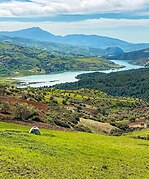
42, 107
89, 110
134, 124
12, 101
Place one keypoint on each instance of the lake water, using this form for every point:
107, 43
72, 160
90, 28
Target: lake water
53, 79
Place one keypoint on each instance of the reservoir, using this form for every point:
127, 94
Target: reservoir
53, 79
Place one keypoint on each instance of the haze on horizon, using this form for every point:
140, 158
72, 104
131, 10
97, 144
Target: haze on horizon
125, 19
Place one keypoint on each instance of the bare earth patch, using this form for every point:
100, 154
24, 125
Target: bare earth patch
97, 127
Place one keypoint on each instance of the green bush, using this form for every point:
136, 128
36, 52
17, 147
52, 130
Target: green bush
61, 123
24, 112
4, 107
82, 128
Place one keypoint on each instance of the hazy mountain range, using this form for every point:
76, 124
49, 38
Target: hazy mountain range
60, 48
92, 41
78, 45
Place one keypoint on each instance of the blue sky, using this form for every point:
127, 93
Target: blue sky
123, 19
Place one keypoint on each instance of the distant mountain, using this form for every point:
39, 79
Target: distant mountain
31, 33
140, 57
92, 41
110, 51
62, 48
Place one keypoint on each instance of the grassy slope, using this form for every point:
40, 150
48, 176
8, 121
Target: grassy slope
6, 80
70, 155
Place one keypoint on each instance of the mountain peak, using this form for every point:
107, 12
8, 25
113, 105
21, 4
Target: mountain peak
35, 33
35, 28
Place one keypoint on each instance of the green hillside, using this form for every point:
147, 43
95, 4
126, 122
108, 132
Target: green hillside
18, 60
140, 57
133, 83
53, 47
57, 154
77, 110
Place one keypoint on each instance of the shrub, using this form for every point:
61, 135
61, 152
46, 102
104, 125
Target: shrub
24, 112
75, 120
82, 128
2, 89
4, 107
132, 119
124, 128
116, 132
37, 119
53, 101
103, 111
61, 123
64, 102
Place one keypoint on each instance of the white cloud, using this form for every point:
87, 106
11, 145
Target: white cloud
51, 7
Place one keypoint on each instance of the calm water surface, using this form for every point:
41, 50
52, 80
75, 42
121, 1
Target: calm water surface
53, 79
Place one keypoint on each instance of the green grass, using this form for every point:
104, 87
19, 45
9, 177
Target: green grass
143, 133
6, 80
57, 154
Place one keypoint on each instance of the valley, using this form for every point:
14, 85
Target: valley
87, 95
66, 77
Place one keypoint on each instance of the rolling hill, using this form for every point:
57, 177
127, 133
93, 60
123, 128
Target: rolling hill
62, 48
18, 60
93, 41
77, 110
140, 57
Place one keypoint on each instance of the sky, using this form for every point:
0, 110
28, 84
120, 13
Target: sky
124, 19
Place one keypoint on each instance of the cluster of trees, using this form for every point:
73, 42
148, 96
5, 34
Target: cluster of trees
133, 83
